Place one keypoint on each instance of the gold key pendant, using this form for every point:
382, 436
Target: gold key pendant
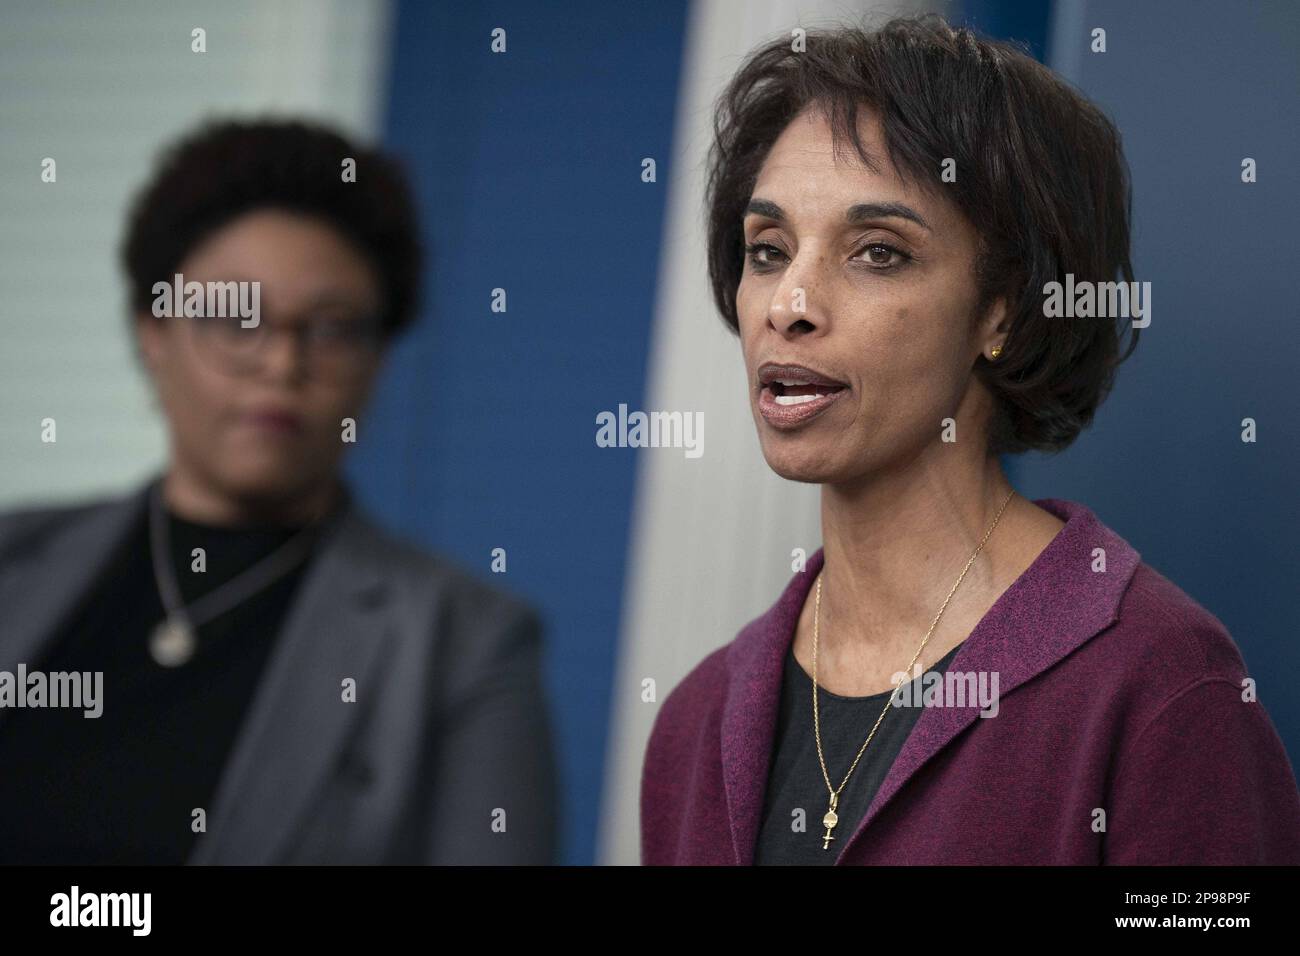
829, 822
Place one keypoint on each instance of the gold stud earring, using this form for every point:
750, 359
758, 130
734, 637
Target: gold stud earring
997, 350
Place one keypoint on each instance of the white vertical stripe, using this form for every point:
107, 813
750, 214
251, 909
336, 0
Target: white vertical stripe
1069, 38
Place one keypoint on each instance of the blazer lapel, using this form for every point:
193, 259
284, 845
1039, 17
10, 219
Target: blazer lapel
1057, 604
298, 721
57, 576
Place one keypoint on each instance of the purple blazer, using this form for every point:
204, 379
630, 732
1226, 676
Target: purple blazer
1121, 735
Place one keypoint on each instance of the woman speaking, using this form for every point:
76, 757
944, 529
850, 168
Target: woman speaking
959, 675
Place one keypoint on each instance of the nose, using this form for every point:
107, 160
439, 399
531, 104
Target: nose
797, 306
283, 355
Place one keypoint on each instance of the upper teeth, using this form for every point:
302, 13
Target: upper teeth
818, 391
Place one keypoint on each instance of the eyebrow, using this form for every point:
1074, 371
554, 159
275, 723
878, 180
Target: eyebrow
329, 298
856, 214
322, 298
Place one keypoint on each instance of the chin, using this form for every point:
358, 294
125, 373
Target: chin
805, 464
267, 483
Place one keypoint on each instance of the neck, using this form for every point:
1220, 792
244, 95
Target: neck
189, 497
895, 545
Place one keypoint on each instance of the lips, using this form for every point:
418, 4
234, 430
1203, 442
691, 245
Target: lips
274, 420
793, 394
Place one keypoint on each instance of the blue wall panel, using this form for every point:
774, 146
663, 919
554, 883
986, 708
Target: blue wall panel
1194, 88
528, 166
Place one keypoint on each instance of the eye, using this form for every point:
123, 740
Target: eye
881, 255
337, 332
224, 327
330, 329
760, 254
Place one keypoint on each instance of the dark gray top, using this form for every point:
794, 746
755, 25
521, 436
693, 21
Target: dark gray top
796, 781
400, 717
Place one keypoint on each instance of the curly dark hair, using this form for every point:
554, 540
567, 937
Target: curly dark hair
1041, 172
227, 167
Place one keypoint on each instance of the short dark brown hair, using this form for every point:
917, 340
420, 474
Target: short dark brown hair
227, 167
1040, 171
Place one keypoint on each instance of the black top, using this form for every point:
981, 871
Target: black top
796, 781
121, 788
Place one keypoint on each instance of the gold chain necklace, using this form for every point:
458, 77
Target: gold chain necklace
831, 817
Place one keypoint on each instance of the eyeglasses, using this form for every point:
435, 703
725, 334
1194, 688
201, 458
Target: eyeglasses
334, 346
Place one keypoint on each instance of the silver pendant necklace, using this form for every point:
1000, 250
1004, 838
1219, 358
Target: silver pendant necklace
174, 640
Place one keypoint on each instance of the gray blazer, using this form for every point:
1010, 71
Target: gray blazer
450, 730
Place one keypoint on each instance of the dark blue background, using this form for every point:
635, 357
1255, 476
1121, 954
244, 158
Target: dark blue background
529, 169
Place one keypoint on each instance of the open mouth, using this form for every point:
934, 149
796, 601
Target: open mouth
798, 393
791, 394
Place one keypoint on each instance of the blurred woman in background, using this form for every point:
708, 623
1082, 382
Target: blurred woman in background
283, 681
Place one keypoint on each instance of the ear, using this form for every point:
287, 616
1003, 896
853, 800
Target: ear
993, 328
151, 335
